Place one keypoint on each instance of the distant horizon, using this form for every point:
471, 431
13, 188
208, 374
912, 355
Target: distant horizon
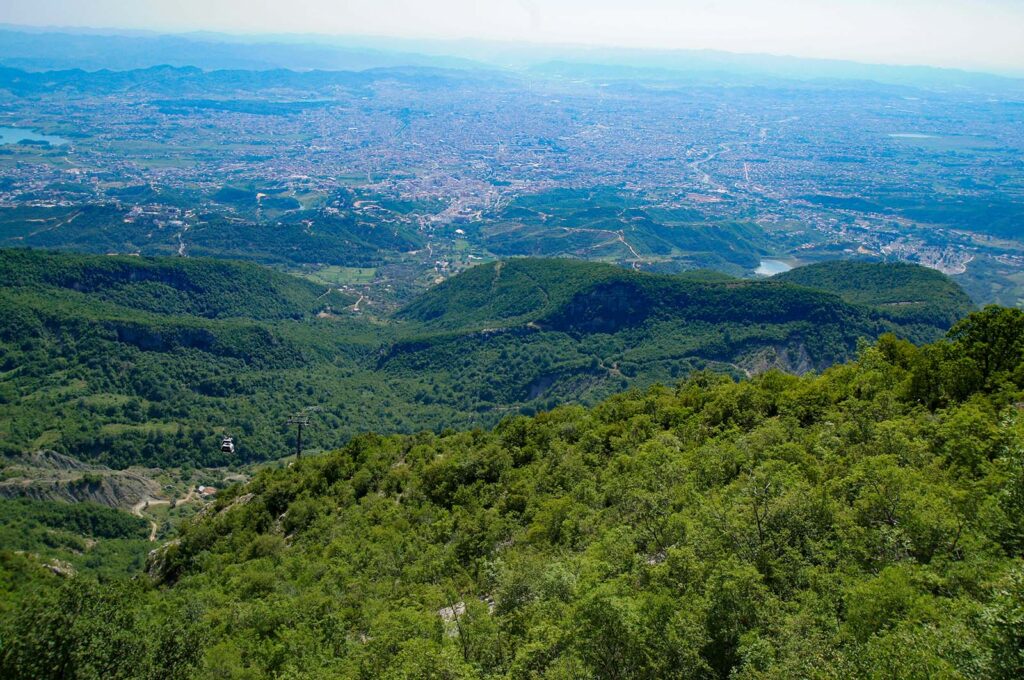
979, 36
411, 43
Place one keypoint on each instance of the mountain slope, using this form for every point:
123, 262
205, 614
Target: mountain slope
586, 296
125, 360
829, 525
181, 286
902, 292
580, 327
505, 293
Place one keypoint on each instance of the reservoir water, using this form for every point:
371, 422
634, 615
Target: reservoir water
10, 135
772, 267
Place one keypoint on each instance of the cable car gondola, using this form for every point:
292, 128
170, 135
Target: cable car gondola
227, 445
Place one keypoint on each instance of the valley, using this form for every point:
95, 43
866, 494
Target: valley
126, 361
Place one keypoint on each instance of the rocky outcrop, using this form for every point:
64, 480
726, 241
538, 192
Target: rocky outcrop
48, 475
791, 359
158, 561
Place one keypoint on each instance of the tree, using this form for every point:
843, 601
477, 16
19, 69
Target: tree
993, 338
80, 630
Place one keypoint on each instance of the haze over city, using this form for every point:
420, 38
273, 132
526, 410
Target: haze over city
969, 34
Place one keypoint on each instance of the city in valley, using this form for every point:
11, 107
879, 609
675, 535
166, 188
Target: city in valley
385, 181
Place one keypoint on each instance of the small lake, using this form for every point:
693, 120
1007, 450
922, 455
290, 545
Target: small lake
10, 135
772, 267
911, 135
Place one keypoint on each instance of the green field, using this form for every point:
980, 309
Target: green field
341, 276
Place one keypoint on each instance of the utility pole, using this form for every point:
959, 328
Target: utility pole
299, 420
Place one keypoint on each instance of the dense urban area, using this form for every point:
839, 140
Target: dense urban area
392, 179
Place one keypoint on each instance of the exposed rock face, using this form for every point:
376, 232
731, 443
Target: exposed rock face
564, 383
48, 475
47, 459
244, 499
157, 563
60, 568
792, 359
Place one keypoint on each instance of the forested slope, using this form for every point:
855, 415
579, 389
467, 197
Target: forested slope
865, 522
555, 330
127, 360
903, 292
587, 296
174, 286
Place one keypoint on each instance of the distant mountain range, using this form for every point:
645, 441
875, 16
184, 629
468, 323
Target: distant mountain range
64, 48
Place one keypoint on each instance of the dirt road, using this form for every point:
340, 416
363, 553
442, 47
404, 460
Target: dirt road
149, 502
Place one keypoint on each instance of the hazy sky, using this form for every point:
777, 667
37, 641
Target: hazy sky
980, 34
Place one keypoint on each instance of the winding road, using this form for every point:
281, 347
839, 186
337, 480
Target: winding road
147, 502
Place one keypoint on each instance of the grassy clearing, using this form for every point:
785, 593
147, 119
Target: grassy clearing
339, 276
47, 439
121, 428
104, 399
71, 388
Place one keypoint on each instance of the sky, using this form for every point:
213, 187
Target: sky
972, 34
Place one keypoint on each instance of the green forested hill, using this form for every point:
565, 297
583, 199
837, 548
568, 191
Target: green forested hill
585, 296
903, 292
94, 538
178, 286
506, 293
128, 360
865, 522
552, 330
